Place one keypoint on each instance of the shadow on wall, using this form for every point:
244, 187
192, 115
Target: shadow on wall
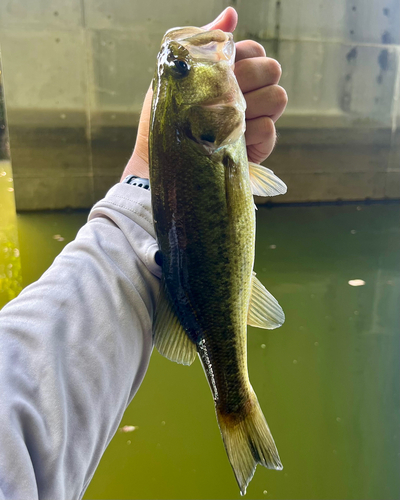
76, 74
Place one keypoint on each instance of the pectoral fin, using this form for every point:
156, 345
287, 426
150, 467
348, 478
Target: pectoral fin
264, 182
170, 338
264, 310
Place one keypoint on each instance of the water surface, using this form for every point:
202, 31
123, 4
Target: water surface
328, 380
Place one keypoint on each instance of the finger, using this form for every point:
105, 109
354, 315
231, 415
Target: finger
226, 21
269, 101
248, 48
258, 72
260, 138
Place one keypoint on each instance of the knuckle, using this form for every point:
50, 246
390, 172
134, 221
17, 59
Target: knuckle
275, 70
267, 127
281, 96
257, 49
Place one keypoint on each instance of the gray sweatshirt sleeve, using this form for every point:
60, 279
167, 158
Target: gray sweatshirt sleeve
74, 348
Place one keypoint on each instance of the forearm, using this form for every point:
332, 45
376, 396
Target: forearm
74, 348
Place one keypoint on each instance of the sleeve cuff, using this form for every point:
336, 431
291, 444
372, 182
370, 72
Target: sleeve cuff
125, 203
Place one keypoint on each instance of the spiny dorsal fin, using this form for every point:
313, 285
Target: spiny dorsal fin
264, 310
264, 182
170, 338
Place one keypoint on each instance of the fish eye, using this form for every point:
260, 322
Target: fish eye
181, 67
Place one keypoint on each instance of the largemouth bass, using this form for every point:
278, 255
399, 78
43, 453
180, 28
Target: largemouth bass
202, 188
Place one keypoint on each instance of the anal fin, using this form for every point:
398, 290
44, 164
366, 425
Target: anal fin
169, 335
264, 309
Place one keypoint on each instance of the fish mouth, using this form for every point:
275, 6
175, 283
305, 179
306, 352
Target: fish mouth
203, 45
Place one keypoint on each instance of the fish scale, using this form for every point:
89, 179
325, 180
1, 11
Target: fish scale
202, 188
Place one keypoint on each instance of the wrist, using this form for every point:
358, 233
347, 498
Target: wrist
136, 166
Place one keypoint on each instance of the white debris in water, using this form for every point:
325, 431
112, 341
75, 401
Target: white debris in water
263, 346
356, 282
128, 442
353, 231
295, 361
58, 237
128, 428
10, 189
358, 209
63, 116
3, 173
163, 422
265, 492
272, 247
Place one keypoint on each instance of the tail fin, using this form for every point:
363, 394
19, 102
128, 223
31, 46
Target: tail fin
248, 441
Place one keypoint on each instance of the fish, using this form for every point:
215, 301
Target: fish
202, 187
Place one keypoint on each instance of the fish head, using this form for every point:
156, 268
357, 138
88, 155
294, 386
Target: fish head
195, 86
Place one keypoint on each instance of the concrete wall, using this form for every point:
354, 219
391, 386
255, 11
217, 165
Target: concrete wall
340, 136
76, 73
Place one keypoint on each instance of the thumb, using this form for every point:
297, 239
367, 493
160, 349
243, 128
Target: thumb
226, 21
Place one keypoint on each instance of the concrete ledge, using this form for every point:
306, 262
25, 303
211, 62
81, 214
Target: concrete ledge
69, 164
50, 192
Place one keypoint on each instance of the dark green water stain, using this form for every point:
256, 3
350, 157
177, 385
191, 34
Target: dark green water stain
328, 380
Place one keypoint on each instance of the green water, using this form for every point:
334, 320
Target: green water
10, 263
328, 380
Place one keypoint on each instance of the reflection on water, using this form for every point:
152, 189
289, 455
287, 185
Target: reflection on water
328, 380
10, 276
10, 267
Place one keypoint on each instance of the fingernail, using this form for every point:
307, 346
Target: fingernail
221, 15
216, 19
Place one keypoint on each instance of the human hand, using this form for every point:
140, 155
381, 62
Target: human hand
258, 78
